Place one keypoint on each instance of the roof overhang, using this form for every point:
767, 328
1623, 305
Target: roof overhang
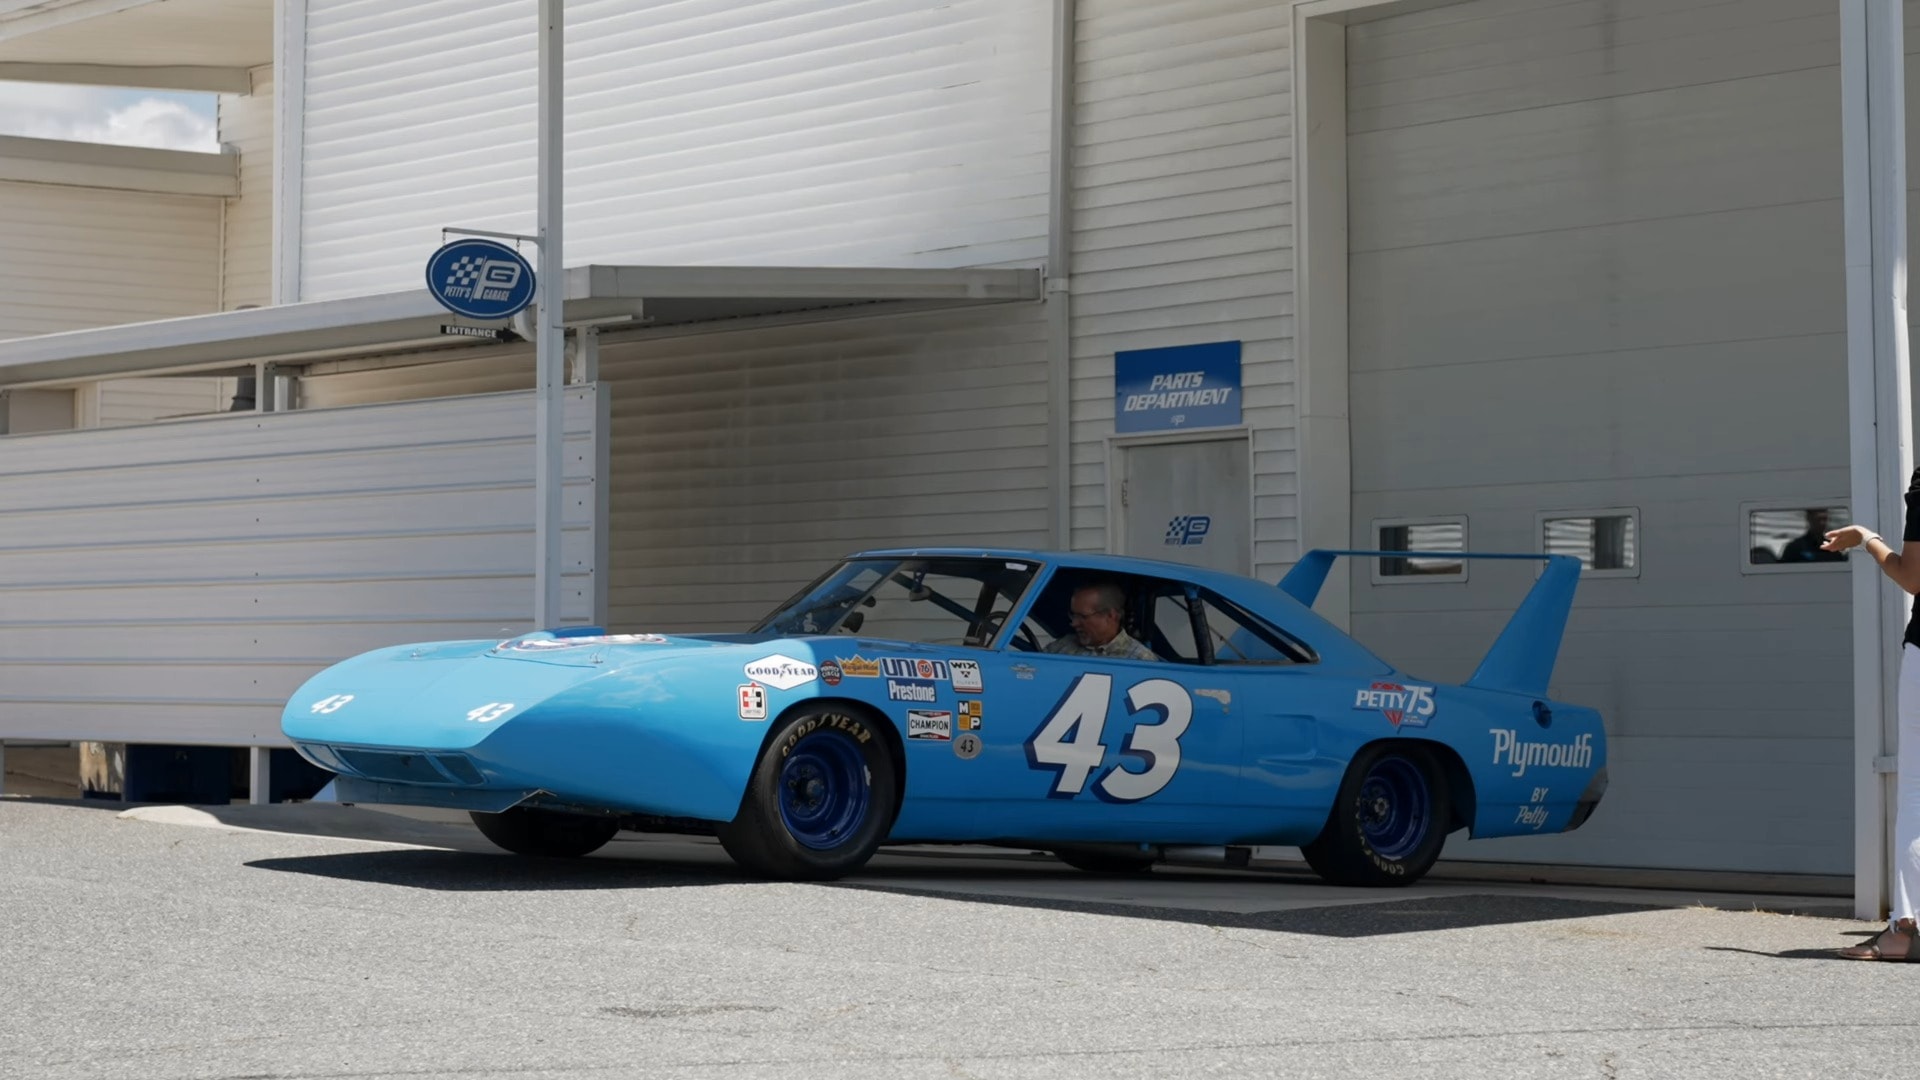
620, 297
125, 168
162, 44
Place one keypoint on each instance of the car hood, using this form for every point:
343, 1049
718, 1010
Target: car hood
453, 695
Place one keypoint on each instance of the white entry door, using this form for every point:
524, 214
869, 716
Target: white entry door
1187, 502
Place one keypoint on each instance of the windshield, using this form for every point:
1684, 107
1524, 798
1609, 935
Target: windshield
932, 601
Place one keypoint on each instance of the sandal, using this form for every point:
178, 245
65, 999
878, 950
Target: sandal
1878, 947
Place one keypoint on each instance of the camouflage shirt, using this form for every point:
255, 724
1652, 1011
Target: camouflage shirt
1122, 647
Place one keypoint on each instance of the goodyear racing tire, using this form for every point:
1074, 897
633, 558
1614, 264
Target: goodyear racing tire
1388, 822
820, 800
526, 830
1105, 862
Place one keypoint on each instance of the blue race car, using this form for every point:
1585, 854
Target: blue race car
1109, 709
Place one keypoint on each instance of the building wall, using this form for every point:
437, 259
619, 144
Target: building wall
78, 257
246, 124
176, 583
72, 258
745, 462
1597, 262
890, 133
1182, 227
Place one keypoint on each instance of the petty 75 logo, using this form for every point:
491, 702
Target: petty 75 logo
1403, 705
1188, 529
1068, 743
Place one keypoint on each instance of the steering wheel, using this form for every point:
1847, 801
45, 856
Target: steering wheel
991, 626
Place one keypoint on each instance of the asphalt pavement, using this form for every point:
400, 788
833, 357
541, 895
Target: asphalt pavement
323, 941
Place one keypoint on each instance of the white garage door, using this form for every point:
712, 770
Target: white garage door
1597, 274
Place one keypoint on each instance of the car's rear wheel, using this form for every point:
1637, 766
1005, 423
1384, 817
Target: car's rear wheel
820, 800
1388, 821
1105, 862
526, 830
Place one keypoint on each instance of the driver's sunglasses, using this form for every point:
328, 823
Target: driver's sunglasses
1082, 616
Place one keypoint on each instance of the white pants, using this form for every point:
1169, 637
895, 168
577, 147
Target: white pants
1906, 798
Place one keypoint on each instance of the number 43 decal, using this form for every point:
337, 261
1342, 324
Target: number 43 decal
1069, 742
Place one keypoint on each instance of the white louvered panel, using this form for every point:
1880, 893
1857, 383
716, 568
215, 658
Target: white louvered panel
220, 562
246, 123
1183, 226
778, 132
73, 258
744, 463
119, 402
493, 370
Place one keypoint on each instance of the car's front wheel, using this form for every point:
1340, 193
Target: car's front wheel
1388, 821
820, 800
527, 830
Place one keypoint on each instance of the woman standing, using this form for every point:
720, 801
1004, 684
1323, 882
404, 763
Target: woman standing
1897, 941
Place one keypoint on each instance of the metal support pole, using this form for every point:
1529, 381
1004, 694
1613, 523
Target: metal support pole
1059, 285
259, 775
1873, 110
549, 345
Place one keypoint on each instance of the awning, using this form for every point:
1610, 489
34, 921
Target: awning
168, 44
623, 297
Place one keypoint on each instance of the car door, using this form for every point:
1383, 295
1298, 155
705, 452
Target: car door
1071, 747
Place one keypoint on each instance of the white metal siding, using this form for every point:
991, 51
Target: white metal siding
745, 462
246, 124
779, 132
73, 258
1597, 262
175, 583
119, 402
1182, 227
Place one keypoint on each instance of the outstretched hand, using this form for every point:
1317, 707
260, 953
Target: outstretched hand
1846, 538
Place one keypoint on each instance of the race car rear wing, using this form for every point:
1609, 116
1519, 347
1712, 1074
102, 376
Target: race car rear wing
1522, 657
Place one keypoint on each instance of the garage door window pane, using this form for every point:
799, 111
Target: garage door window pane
1435, 536
1788, 537
1599, 541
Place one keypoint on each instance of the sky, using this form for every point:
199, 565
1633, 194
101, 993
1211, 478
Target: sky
169, 121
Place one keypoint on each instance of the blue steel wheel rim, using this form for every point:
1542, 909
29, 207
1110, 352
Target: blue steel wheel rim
1396, 808
823, 790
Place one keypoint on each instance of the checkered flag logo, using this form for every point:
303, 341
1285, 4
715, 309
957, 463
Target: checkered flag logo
465, 270
1177, 530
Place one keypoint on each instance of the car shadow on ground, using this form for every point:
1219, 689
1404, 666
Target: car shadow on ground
1336, 918
450, 855
468, 871
1300, 906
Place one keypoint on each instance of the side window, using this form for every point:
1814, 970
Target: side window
1437, 538
1786, 538
1067, 616
1238, 638
1173, 626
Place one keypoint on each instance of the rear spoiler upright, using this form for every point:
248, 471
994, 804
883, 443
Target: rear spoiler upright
1522, 657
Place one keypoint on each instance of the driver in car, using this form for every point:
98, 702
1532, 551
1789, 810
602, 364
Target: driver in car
1097, 612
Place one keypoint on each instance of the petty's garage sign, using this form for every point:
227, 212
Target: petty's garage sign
1174, 389
480, 279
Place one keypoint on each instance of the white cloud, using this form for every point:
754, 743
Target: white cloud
108, 115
